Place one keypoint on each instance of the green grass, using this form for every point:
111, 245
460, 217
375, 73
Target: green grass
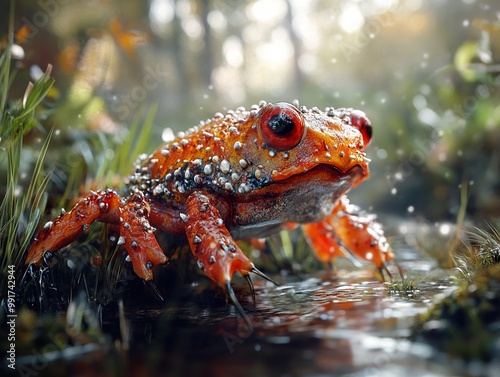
482, 253
23, 203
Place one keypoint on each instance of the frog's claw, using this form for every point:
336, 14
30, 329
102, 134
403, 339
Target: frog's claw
263, 275
250, 283
215, 250
236, 303
131, 216
355, 233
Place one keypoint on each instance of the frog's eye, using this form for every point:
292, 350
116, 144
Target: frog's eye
282, 126
363, 124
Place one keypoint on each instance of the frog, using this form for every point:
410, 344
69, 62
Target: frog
242, 174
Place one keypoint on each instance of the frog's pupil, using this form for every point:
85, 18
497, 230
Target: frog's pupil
281, 124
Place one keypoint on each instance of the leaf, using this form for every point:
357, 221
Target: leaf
463, 58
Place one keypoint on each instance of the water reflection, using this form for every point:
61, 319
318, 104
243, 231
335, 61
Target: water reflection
345, 325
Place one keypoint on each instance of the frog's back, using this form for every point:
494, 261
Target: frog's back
209, 156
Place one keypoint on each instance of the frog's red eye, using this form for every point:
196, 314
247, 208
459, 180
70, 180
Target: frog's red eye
282, 126
363, 124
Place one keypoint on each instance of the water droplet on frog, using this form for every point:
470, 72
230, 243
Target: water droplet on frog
167, 134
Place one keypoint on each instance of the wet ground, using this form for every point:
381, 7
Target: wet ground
349, 324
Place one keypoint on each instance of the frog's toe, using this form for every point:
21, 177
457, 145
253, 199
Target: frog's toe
232, 297
262, 275
136, 235
247, 277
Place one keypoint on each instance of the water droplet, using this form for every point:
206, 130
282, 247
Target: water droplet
394, 191
411, 209
444, 229
167, 134
243, 163
382, 153
225, 166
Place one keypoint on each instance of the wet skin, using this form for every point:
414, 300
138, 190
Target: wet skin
243, 174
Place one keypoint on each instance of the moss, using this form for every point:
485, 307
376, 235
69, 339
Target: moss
466, 323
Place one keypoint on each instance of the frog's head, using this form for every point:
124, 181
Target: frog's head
292, 141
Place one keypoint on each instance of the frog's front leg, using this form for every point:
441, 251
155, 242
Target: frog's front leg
212, 245
130, 214
347, 231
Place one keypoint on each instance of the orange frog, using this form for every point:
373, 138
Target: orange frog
244, 174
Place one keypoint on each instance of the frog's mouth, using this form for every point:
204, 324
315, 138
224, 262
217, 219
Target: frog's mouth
328, 177
323, 183
326, 173
303, 198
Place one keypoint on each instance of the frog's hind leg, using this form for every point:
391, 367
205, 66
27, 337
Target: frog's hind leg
130, 214
215, 250
349, 232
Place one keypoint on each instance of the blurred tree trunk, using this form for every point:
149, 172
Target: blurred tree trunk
207, 64
298, 78
184, 87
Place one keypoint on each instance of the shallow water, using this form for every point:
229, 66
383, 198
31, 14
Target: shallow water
347, 324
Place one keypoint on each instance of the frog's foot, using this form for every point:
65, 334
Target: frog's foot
216, 252
353, 234
131, 215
